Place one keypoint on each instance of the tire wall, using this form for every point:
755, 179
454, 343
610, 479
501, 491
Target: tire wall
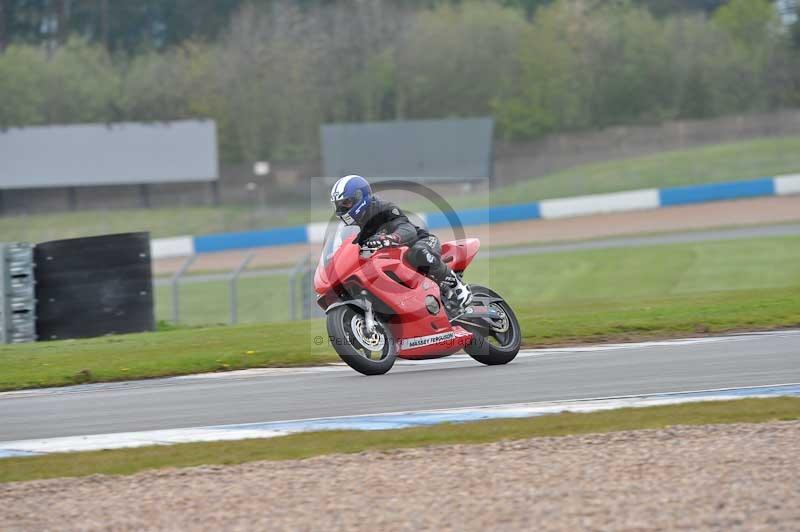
94, 286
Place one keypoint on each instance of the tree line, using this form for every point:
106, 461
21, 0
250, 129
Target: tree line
131, 26
271, 71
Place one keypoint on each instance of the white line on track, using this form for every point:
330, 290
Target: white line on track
383, 421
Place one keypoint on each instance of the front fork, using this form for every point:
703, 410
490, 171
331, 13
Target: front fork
369, 316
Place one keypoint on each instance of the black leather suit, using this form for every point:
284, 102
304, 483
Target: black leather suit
424, 253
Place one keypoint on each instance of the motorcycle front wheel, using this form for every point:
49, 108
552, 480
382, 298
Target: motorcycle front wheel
367, 353
498, 345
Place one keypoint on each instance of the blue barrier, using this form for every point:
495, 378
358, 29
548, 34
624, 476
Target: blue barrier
516, 212
716, 192
251, 239
499, 214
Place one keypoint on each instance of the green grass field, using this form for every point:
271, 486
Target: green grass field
648, 271
722, 162
585, 296
607, 276
305, 445
264, 299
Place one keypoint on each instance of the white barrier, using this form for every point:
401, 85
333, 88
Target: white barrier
315, 232
178, 246
632, 200
787, 184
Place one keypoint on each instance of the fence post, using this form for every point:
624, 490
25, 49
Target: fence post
174, 282
233, 280
300, 266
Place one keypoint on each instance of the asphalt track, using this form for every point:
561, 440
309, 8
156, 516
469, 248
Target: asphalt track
286, 394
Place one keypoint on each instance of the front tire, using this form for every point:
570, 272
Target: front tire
497, 346
367, 354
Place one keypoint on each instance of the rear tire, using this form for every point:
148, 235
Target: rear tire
367, 354
498, 347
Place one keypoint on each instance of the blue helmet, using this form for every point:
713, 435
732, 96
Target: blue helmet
350, 196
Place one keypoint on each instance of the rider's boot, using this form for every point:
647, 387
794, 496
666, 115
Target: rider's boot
454, 289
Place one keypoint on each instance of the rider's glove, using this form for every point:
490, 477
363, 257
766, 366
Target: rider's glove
382, 241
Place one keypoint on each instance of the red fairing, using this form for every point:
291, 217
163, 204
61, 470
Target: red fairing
458, 254
331, 274
399, 291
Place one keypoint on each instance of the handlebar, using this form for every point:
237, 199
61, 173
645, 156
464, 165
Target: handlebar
366, 252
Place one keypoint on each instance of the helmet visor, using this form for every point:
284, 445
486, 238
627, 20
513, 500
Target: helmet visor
343, 205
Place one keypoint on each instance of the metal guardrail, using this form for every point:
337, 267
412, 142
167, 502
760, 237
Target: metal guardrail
223, 276
301, 304
301, 297
181, 277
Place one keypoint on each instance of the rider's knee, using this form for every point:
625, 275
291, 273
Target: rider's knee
416, 255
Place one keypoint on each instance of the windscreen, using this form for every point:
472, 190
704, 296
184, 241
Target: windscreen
334, 239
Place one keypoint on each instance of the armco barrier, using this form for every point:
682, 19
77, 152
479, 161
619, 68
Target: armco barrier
548, 209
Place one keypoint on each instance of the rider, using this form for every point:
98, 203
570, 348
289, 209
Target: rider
383, 224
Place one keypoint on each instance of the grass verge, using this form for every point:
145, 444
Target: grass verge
195, 350
180, 351
298, 446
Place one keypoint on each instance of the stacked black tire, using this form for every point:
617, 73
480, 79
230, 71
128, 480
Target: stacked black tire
94, 286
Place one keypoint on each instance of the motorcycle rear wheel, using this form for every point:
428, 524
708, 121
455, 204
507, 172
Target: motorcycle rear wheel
495, 347
367, 354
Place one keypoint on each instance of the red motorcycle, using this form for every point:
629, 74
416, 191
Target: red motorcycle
379, 308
